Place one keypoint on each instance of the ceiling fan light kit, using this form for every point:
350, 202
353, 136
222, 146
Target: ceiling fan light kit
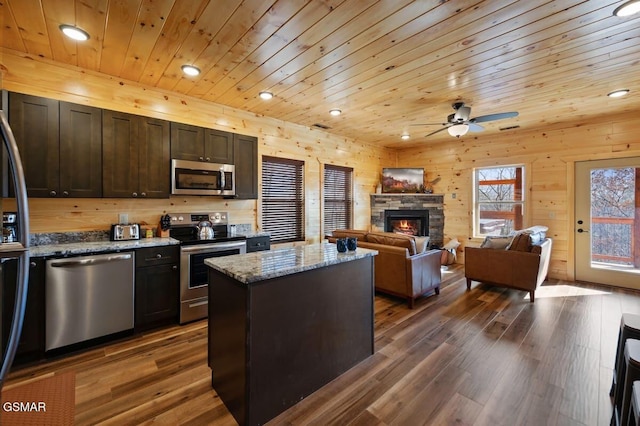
627, 9
266, 95
459, 123
458, 130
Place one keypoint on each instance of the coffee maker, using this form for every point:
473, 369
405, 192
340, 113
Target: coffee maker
9, 227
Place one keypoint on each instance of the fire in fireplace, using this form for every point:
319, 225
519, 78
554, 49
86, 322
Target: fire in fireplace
408, 222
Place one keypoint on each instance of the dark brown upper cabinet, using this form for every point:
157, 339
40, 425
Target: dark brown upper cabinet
60, 146
218, 146
199, 144
135, 152
246, 162
80, 150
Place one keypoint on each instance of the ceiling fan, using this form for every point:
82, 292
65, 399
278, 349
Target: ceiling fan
459, 123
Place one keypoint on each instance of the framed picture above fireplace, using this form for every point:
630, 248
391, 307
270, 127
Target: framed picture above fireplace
398, 180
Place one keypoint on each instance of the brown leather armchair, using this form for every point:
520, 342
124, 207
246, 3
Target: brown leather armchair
399, 270
522, 270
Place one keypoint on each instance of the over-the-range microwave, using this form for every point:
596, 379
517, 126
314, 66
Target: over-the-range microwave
200, 178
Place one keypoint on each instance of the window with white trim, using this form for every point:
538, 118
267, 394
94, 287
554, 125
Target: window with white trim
498, 200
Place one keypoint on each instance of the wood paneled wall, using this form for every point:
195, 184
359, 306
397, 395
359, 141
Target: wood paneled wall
276, 138
548, 153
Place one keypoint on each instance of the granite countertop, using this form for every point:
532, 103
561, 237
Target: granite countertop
84, 247
262, 265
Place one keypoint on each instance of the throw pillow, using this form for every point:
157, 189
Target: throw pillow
422, 244
496, 242
538, 233
521, 242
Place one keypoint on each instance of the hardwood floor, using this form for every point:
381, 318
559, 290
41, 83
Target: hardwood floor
484, 357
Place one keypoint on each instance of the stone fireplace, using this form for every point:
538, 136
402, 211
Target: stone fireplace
422, 211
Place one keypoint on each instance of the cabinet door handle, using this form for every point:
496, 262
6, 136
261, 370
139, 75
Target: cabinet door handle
174, 267
201, 158
134, 195
208, 159
144, 194
158, 256
53, 193
65, 193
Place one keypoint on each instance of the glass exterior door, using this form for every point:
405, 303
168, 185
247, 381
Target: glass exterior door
607, 227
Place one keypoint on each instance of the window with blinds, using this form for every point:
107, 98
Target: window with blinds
338, 198
283, 199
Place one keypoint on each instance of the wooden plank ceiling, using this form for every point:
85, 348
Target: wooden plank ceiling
388, 64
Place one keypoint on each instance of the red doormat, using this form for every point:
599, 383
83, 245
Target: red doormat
49, 401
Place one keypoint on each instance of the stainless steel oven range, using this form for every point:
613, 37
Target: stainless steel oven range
201, 235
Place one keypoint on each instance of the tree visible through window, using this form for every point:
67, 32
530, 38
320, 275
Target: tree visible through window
613, 222
499, 201
283, 199
338, 198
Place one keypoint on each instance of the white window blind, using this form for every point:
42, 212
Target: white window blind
283, 199
338, 198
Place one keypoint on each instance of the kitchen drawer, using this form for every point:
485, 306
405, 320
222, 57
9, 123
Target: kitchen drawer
157, 256
258, 243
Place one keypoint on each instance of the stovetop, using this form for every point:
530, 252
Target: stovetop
184, 227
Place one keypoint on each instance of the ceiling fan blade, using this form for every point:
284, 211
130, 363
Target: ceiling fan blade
429, 124
493, 117
437, 131
473, 127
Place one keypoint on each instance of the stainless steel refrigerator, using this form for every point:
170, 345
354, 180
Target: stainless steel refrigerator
17, 249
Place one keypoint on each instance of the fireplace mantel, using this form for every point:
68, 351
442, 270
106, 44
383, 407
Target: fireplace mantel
434, 203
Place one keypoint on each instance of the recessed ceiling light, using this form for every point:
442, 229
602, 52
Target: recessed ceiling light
190, 70
74, 32
405, 137
266, 95
628, 8
618, 93
335, 112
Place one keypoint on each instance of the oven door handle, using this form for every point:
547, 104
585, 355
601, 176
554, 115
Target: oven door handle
203, 248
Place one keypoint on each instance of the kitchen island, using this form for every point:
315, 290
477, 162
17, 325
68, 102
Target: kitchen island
285, 322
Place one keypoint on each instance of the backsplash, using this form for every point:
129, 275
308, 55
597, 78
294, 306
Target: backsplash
53, 238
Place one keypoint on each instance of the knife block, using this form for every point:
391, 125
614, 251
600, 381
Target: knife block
162, 233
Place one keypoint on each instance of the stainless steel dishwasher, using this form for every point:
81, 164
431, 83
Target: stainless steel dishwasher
88, 297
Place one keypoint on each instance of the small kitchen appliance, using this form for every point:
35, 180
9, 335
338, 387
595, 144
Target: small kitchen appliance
122, 232
9, 227
201, 178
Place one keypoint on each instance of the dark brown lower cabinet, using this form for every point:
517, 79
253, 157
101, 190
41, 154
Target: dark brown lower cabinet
31, 345
157, 287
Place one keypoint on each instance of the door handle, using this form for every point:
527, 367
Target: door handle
580, 230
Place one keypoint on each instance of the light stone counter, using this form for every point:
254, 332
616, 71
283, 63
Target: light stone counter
75, 248
263, 265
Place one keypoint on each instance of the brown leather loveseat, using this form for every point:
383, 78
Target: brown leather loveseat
401, 268
520, 261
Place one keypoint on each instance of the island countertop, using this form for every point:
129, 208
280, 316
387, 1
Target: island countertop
263, 265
